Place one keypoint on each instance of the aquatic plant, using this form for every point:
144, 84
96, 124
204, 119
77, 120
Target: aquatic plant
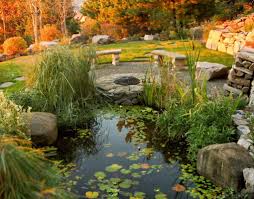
158, 88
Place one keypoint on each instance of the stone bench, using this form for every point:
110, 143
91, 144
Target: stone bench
115, 55
179, 61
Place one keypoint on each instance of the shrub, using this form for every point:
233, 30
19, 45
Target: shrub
207, 126
90, 27
50, 33
25, 173
115, 31
65, 81
73, 26
14, 45
11, 118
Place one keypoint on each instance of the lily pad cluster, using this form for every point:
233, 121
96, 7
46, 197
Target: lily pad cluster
127, 178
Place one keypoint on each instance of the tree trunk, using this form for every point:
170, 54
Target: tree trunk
64, 28
174, 15
35, 12
4, 25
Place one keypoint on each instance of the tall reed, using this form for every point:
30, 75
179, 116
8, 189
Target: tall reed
65, 80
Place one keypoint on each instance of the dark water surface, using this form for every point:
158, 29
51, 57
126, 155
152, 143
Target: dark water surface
111, 162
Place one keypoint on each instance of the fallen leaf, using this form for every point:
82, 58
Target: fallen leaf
92, 195
145, 166
179, 188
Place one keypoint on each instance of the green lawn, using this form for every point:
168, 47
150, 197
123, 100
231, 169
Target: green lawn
132, 51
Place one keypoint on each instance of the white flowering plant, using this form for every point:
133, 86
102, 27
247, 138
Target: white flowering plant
11, 118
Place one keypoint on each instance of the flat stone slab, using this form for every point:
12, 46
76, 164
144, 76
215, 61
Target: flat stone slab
126, 94
6, 84
108, 52
168, 54
209, 71
20, 79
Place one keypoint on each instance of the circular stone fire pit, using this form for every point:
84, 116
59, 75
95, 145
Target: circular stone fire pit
122, 89
127, 80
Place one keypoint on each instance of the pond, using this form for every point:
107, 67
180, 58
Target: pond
116, 158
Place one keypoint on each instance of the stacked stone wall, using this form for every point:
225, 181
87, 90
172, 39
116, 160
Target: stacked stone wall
231, 36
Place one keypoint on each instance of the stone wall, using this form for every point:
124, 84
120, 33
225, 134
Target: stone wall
240, 78
231, 36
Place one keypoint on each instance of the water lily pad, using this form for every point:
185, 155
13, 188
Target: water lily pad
92, 195
161, 196
133, 157
139, 194
90, 182
107, 145
126, 194
115, 180
100, 175
135, 166
135, 175
126, 184
113, 168
135, 182
125, 171
103, 187
109, 155
121, 154
147, 151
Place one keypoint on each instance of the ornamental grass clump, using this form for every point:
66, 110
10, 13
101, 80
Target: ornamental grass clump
65, 80
26, 174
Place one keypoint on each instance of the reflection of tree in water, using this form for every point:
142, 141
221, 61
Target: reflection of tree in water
78, 144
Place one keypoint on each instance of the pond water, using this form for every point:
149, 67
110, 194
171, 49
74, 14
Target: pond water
116, 159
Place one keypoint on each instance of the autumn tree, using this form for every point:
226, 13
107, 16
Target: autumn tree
13, 16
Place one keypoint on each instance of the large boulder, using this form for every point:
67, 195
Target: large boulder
102, 39
42, 128
248, 175
209, 71
78, 38
223, 164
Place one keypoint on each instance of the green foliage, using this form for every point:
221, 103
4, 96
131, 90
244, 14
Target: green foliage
66, 82
11, 122
208, 126
26, 174
173, 123
73, 26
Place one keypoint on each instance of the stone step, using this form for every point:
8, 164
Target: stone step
6, 85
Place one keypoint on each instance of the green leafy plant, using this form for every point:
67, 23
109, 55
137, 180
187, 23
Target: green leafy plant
11, 122
208, 127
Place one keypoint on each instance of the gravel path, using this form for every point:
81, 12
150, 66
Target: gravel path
214, 86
